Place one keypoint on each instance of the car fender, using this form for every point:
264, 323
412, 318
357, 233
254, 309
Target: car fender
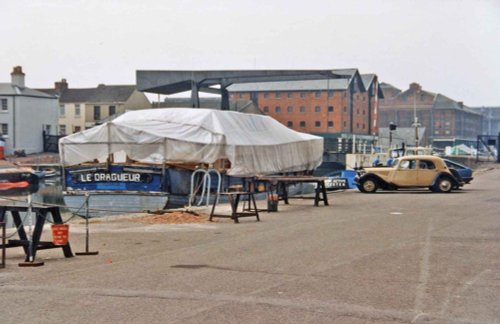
383, 184
445, 174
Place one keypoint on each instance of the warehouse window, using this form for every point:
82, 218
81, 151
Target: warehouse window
330, 124
289, 109
289, 124
302, 123
317, 124
317, 109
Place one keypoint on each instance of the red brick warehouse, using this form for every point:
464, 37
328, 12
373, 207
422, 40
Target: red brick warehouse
327, 106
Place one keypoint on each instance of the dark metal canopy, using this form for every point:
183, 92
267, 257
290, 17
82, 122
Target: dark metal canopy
216, 82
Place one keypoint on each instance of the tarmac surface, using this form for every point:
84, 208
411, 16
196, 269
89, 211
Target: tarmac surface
389, 257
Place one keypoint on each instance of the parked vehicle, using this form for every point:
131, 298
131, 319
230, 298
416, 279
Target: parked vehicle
464, 171
414, 171
341, 179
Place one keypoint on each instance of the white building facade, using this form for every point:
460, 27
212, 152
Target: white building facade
25, 114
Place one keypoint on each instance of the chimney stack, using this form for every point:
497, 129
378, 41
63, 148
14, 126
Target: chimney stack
415, 87
61, 86
17, 76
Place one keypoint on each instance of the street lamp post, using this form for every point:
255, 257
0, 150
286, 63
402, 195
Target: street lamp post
392, 127
416, 124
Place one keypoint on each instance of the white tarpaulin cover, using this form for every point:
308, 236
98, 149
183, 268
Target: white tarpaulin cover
254, 144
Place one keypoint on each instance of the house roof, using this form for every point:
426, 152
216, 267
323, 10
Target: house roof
103, 93
9, 89
368, 80
385, 85
305, 85
443, 102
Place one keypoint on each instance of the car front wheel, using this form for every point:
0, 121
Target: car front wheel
368, 186
443, 184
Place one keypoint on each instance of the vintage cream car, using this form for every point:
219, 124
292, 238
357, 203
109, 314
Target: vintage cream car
414, 171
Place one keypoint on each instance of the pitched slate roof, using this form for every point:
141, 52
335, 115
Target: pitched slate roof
367, 80
103, 93
9, 89
300, 85
306, 85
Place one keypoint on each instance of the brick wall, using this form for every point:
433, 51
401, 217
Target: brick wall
314, 111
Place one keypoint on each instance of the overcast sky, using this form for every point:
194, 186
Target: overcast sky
448, 46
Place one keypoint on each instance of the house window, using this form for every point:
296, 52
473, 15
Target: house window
277, 95
317, 109
317, 94
62, 111
277, 109
77, 129
317, 124
302, 94
289, 124
289, 94
97, 112
266, 109
5, 129
62, 129
289, 109
112, 110
302, 109
330, 124
77, 110
4, 104
330, 108
302, 123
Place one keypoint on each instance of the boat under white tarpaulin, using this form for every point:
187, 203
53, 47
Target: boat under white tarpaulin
254, 144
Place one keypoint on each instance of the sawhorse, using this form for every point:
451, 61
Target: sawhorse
41, 213
234, 200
